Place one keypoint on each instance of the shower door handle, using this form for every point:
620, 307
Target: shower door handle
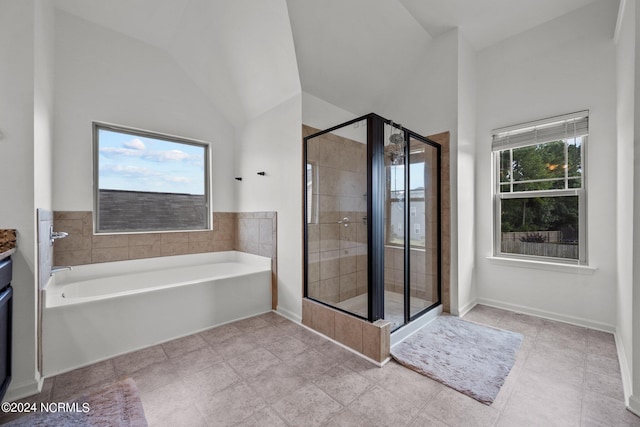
346, 221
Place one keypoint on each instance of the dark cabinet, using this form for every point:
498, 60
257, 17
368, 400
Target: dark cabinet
6, 317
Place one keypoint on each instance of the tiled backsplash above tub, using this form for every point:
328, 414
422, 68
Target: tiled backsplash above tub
45, 250
256, 233
253, 232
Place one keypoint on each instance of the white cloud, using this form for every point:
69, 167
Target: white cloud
177, 179
134, 144
128, 170
143, 153
116, 151
176, 155
142, 172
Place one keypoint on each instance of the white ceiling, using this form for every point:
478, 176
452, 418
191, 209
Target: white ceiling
487, 22
349, 51
154, 22
241, 52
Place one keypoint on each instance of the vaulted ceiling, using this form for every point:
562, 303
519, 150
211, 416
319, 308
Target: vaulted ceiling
487, 22
250, 55
239, 52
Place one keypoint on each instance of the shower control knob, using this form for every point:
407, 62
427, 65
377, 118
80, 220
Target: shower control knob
344, 221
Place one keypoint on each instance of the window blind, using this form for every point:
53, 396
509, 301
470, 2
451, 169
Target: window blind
541, 131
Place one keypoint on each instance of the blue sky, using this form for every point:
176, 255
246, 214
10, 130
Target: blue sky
131, 162
416, 176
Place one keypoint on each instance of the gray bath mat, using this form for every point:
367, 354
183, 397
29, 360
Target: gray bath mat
471, 358
115, 405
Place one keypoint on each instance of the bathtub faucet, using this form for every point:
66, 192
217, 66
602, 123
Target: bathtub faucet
54, 235
59, 268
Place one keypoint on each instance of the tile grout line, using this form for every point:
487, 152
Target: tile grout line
526, 357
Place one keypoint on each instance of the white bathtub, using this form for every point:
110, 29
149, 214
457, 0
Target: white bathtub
98, 311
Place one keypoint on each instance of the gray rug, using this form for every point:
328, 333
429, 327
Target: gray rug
471, 358
116, 405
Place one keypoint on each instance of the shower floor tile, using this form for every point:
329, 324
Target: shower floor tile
393, 306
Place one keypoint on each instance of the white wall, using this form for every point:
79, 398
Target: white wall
634, 399
272, 143
322, 115
21, 116
43, 102
426, 102
560, 67
105, 76
625, 58
465, 165
438, 98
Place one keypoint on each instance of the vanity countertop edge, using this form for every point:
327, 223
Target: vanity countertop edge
7, 254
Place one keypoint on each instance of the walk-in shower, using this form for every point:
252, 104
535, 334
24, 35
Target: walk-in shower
373, 220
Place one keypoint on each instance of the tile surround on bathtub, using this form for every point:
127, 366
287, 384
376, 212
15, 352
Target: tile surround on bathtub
256, 233
45, 263
83, 247
45, 249
251, 232
257, 230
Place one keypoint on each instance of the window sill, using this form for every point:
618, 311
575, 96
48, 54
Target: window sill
542, 265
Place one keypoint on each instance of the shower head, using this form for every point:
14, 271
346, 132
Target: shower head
396, 138
396, 147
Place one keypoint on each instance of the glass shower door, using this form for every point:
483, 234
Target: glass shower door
336, 217
395, 208
411, 220
372, 229
423, 226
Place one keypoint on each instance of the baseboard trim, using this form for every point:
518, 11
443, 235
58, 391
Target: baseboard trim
24, 390
625, 372
289, 315
634, 405
573, 320
468, 307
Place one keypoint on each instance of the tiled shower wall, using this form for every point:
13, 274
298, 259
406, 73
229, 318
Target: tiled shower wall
356, 333
423, 277
337, 253
445, 231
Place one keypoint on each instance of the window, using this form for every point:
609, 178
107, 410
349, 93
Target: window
397, 202
540, 189
395, 205
146, 181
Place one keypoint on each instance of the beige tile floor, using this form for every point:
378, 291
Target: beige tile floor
268, 371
